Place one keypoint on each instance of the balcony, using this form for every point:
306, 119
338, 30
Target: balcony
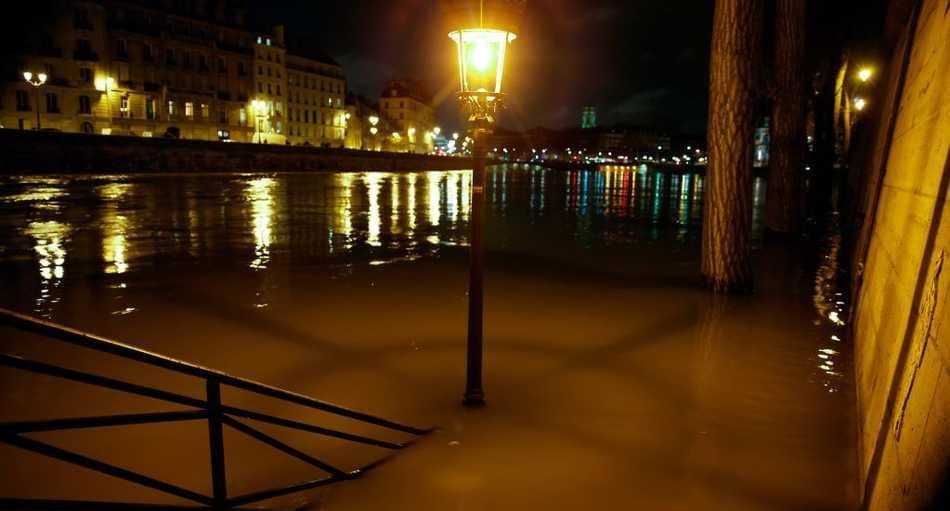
86, 55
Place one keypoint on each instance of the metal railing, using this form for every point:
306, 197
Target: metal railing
210, 409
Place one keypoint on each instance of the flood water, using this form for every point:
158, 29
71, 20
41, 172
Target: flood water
613, 379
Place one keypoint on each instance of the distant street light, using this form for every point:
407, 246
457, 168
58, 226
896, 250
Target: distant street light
482, 37
865, 74
36, 81
860, 104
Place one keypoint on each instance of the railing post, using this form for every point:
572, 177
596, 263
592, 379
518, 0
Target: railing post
219, 482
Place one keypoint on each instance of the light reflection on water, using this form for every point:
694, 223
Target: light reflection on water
121, 226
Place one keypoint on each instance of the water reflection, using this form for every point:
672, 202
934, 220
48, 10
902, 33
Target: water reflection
260, 194
49, 244
137, 222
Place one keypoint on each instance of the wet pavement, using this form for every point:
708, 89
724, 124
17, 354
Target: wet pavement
613, 381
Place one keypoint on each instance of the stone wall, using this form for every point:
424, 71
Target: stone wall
902, 353
65, 153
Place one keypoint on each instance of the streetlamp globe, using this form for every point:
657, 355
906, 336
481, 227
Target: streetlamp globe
482, 31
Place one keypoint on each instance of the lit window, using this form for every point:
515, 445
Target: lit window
124, 106
243, 117
171, 108
205, 111
189, 110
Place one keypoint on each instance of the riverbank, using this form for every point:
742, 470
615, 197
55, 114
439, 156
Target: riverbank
30, 152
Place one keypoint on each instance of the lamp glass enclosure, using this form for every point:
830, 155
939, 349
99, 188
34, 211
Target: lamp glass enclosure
481, 57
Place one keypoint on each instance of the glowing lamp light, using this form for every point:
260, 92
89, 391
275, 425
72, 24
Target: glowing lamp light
860, 104
865, 74
481, 56
373, 120
259, 106
35, 79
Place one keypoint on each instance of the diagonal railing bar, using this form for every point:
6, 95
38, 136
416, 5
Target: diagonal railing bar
211, 409
99, 381
45, 449
87, 340
303, 426
8, 504
259, 496
280, 446
100, 421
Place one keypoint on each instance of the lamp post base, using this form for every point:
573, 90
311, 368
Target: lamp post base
474, 399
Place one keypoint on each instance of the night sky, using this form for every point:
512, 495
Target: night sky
641, 63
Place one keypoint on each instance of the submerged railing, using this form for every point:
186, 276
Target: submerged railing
210, 409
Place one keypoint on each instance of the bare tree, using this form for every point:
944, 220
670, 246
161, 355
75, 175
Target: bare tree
727, 218
784, 197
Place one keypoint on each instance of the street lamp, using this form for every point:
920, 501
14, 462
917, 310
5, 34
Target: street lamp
482, 31
260, 109
36, 81
865, 74
860, 104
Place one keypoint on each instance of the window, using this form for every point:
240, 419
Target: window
260, 87
148, 53
171, 107
205, 112
52, 103
189, 110
186, 60
81, 19
269, 72
260, 70
223, 116
222, 65
122, 49
242, 69
124, 107
150, 108
85, 75
269, 89
87, 127
170, 57
85, 106
242, 117
278, 89
278, 58
22, 101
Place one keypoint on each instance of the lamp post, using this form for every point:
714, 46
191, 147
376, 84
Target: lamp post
260, 108
482, 32
373, 130
36, 81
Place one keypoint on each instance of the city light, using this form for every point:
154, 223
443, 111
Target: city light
860, 104
373, 120
865, 74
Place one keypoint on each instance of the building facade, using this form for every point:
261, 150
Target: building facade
182, 69
408, 108
317, 114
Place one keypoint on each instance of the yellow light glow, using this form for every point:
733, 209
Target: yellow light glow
437, 130
374, 130
374, 120
27, 76
481, 56
865, 74
860, 104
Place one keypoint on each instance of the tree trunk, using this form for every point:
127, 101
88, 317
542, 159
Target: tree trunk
727, 216
784, 195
